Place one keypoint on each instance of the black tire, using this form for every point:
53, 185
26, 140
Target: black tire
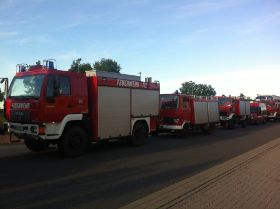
183, 133
244, 123
74, 142
2, 130
139, 134
35, 145
208, 128
231, 123
224, 124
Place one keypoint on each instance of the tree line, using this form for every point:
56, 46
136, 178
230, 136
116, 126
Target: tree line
191, 88
108, 65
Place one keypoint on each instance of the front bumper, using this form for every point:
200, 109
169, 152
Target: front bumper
20, 128
272, 116
171, 127
25, 131
224, 118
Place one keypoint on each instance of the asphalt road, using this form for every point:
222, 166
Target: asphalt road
113, 174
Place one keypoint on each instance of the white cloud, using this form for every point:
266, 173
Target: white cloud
40, 39
7, 34
261, 23
6, 4
202, 7
68, 56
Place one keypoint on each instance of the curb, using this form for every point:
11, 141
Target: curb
169, 196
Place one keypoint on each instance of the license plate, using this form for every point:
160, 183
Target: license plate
19, 128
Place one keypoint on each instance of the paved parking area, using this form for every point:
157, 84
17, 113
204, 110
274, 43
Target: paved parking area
251, 180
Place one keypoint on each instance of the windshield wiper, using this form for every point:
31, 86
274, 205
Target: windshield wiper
24, 97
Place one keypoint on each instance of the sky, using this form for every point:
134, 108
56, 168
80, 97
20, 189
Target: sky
232, 45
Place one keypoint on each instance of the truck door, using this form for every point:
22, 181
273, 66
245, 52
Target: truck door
58, 98
186, 106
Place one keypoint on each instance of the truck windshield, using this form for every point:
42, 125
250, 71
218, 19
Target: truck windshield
168, 102
264, 97
223, 101
254, 109
26, 86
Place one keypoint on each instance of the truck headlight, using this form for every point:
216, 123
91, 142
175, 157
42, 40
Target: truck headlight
34, 129
176, 120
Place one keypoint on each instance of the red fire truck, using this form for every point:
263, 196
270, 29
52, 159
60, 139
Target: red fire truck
273, 106
181, 113
233, 110
258, 112
48, 106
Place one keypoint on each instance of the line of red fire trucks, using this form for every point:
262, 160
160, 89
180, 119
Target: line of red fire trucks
45, 106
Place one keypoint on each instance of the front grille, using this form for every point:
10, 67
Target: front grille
223, 114
20, 116
167, 120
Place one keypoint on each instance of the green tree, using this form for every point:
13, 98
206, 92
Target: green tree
242, 96
79, 67
191, 88
107, 65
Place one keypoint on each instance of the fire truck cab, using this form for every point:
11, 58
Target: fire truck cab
273, 106
233, 110
258, 112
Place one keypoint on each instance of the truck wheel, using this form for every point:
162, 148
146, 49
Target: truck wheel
231, 124
35, 145
183, 133
1, 130
207, 128
244, 123
74, 142
139, 135
223, 124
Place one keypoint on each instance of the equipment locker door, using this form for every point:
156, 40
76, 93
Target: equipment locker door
186, 107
